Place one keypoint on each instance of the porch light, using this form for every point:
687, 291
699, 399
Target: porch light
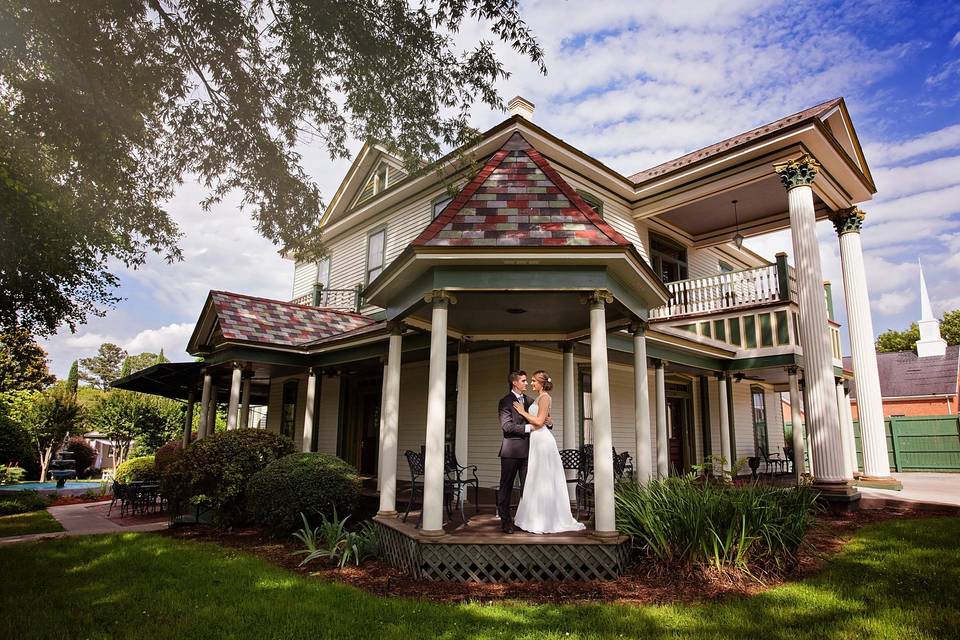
515, 311
738, 237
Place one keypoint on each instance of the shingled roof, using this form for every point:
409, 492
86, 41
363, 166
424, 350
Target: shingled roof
735, 141
518, 200
251, 319
903, 374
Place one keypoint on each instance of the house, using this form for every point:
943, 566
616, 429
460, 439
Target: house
665, 336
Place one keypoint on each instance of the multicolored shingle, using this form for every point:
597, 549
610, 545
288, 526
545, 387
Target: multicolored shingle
518, 200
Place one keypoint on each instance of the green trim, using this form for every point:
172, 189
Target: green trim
783, 328
766, 330
783, 277
735, 334
625, 345
720, 330
692, 328
705, 330
784, 359
750, 332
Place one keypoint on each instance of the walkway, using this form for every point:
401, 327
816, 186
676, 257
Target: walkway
931, 488
91, 518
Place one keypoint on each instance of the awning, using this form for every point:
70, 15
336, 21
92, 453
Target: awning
169, 379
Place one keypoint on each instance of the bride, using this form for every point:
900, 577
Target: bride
545, 504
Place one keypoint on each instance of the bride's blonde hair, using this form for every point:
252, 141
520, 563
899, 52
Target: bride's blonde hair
544, 379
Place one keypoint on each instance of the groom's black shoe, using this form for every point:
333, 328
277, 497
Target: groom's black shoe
507, 527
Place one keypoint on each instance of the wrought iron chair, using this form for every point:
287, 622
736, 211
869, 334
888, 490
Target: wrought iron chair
572, 460
118, 494
769, 460
456, 473
622, 465
790, 463
416, 462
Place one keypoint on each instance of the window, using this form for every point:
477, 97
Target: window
668, 258
759, 408
440, 204
595, 203
381, 178
376, 252
322, 284
288, 411
724, 267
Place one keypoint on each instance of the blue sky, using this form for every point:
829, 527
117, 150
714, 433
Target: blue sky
638, 83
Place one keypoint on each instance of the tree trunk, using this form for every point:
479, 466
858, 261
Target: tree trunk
45, 462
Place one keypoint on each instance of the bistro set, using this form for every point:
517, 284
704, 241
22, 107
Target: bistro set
137, 498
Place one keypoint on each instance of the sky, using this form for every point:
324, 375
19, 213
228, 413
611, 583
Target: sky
638, 83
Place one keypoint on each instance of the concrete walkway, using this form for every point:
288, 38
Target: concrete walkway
930, 488
91, 518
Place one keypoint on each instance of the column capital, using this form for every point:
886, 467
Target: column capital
793, 370
848, 220
396, 328
722, 375
440, 295
639, 328
657, 363
598, 296
798, 172
567, 346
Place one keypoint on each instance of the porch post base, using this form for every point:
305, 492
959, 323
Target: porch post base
387, 514
879, 482
432, 533
837, 492
605, 535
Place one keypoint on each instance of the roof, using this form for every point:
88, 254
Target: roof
251, 319
518, 199
167, 379
725, 145
903, 374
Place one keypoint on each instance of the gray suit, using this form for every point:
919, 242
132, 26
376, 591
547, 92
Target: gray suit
513, 451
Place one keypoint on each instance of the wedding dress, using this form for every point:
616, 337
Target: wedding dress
545, 504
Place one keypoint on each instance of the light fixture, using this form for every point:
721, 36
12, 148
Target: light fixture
516, 311
739, 376
738, 238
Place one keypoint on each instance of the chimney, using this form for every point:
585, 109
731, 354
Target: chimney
930, 343
520, 106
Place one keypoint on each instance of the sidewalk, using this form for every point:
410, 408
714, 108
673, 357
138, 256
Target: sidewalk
927, 487
91, 518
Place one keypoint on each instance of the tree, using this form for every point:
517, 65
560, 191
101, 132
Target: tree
132, 364
125, 417
23, 362
103, 368
55, 416
108, 106
950, 326
893, 340
73, 378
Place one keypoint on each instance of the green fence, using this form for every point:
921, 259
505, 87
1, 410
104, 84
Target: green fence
919, 443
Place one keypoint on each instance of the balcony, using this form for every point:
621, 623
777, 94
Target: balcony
339, 299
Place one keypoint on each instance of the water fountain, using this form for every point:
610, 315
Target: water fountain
63, 467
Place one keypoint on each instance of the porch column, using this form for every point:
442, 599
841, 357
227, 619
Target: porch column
381, 431
245, 401
663, 444
391, 418
795, 402
605, 524
847, 411
724, 408
846, 431
463, 403
211, 425
188, 418
641, 404
873, 435
432, 522
306, 442
204, 404
233, 407
823, 419
569, 398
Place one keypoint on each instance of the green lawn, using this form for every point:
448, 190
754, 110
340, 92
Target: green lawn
896, 580
23, 523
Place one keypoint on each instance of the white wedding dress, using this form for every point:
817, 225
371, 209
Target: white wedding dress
545, 504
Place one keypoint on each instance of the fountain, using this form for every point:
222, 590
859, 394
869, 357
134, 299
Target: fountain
63, 467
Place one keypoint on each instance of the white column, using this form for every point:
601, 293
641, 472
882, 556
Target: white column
795, 404
725, 450
188, 418
463, 404
823, 418
381, 431
663, 442
233, 407
605, 524
245, 402
846, 414
211, 426
641, 394
569, 399
306, 442
432, 522
846, 431
391, 418
873, 435
204, 404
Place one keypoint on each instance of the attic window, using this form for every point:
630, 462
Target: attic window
440, 204
384, 176
593, 201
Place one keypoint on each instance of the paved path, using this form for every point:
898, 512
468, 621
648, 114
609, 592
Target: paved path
90, 518
931, 488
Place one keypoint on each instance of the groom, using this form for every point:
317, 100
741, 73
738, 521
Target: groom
515, 445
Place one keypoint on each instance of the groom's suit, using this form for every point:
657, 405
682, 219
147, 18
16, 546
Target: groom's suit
513, 450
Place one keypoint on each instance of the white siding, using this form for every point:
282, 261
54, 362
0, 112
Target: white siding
275, 408
488, 383
304, 275
328, 414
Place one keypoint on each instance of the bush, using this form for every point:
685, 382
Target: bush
679, 519
83, 454
312, 484
215, 470
170, 452
22, 502
137, 470
11, 474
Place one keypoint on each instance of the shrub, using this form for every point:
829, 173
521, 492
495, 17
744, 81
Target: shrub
215, 470
137, 470
168, 453
312, 484
332, 541
22, 502
726, 527
83, 454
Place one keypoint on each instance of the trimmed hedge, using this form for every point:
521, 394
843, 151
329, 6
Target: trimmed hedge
137, 470
215, 470
314, 484
168, 453
13, 502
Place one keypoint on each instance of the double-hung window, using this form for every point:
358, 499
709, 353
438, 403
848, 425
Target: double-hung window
376, 253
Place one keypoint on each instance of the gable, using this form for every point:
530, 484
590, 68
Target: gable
383, 175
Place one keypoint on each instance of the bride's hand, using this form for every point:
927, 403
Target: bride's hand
520, 409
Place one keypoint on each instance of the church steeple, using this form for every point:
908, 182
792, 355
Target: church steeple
930, 343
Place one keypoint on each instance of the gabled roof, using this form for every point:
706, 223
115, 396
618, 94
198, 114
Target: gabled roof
234, 317
518, 200
903, 374
817, 111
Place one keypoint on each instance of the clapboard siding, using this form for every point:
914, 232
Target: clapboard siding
275, 408
488, 383
304, 276
328, 414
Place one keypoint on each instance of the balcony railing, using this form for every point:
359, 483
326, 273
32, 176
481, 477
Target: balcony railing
724, 291
340, 299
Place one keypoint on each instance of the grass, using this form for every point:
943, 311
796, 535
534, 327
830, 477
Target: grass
900, 579
23, 523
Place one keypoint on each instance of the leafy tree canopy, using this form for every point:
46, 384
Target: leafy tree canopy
106, 107
23, 362
103, 368
893, 340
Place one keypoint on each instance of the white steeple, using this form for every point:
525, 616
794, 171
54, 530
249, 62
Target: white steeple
930, 343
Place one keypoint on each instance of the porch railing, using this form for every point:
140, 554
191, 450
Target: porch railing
340, 299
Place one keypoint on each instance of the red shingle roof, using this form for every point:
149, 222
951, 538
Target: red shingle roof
518, 200
260, 320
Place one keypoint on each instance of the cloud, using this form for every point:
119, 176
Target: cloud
894, 302
888, 152
955, 41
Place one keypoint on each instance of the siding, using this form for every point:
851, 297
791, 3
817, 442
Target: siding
275, 409
328, 414
304, 275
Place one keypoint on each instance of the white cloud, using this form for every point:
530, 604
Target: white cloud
886, 153
893, 302
955, 40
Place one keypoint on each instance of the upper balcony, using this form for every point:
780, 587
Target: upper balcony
340, 299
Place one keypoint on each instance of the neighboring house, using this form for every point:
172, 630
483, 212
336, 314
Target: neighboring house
522, 251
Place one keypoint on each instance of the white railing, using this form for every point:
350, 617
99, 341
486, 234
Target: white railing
720, 292
340, 299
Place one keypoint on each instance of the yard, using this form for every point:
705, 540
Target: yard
899, 579
21, 524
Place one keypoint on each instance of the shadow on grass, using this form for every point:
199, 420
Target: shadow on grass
896, 580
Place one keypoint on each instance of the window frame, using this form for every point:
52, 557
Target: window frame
757, 390
383, 253
291, 420
657, 256
445, 199
592, 201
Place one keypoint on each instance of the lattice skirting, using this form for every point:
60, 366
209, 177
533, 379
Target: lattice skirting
492, 562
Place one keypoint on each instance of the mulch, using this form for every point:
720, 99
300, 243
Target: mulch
648, 582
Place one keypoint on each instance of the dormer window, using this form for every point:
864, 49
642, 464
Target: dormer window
384, 176
593, 201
